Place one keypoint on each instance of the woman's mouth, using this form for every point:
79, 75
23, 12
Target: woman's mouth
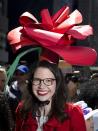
42, 93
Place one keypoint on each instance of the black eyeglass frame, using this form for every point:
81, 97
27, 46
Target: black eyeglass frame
45, 81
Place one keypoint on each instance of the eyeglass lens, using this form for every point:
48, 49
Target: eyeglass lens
47, 81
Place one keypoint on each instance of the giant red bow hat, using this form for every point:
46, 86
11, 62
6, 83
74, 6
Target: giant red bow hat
55, 34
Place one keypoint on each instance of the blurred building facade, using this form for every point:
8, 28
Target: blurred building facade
3, 31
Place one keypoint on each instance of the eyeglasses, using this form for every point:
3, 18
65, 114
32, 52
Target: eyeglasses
47, 81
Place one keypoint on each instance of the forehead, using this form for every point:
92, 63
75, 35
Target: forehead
43, 72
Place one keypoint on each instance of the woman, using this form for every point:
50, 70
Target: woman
44, 107
73, 87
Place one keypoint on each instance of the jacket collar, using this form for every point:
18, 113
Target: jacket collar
53, 122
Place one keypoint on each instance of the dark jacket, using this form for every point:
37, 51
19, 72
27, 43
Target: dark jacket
14, 96
6, 122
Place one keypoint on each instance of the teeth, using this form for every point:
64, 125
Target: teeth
42, 92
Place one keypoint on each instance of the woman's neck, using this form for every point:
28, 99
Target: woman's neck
44, 110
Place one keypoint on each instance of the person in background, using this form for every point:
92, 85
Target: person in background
14, 92
73, 86
89, 93
6, 121
94, 76
88, 115
44, 107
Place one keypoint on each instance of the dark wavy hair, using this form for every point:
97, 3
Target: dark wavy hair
31, 103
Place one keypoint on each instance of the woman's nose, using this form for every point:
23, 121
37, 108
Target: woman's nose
42, 85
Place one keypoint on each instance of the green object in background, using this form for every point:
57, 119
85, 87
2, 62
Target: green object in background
12, 68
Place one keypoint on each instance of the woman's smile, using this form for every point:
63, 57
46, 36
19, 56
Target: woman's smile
44, 84
42, 93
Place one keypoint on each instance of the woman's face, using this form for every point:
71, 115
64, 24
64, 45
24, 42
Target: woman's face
90, 124
43, 84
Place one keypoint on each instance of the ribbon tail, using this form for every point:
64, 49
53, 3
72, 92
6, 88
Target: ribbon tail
38, 34
63, 16
73, 19
27, 19
17, 40
81, 32
82, 56
46, 19
58, 13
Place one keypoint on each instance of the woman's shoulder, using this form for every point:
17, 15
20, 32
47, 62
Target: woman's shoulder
70, 105
19, 107
71, 108
75, 115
